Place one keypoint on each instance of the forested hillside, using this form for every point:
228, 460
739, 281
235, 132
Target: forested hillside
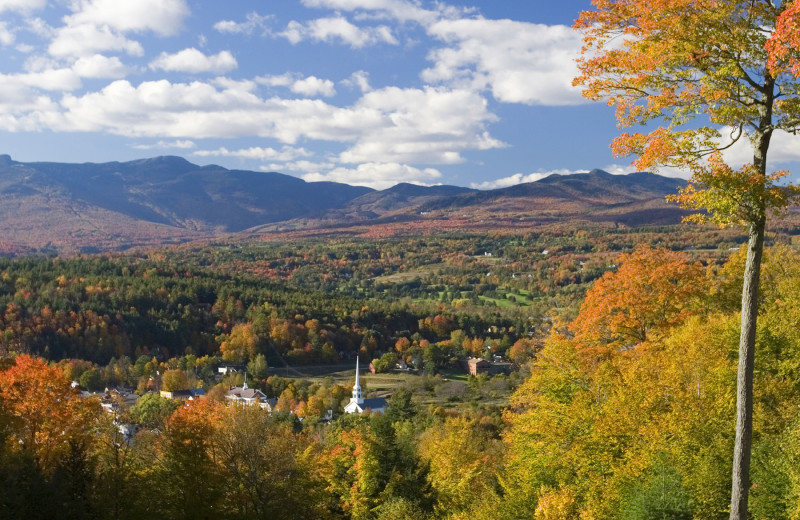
625, 411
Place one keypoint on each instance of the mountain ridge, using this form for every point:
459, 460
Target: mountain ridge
89, 207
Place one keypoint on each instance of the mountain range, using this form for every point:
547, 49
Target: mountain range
68, 208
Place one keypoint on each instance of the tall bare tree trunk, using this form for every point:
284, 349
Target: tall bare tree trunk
740, 486
744, 378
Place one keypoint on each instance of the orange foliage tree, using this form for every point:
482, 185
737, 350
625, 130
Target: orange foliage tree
47, 416
651, 289
715, 72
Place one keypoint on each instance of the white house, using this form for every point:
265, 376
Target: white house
245, 396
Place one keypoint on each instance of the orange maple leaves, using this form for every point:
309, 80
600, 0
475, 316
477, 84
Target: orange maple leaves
45, 413
652, 289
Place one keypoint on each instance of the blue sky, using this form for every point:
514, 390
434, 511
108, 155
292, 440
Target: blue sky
369, 92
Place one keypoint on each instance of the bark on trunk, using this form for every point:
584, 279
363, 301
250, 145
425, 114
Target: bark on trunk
740, 486
744, 378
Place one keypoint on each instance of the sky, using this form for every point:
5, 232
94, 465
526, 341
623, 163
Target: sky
366, 92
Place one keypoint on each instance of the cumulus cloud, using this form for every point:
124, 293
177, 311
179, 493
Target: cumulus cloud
22, 106
783, 147
313, 86
99, 66
7, 36
253, 21
163, 17
287, 153
391, 125
310, 86
96, 26
519, 62
519, 178
88, 39
359, 80
24, 6
337, 29
376, 175
431, 125
51, 79
299, 166
181, 144
400, 10
613, 169
194, 61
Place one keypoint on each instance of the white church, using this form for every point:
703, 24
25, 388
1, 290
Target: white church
358, 404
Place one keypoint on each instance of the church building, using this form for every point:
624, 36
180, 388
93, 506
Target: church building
358, 404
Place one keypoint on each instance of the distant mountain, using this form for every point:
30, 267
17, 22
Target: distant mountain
595, 188
117, 205
399, 197
67, 208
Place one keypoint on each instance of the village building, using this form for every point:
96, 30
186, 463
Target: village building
245, 396
478, 366
189, 394
358, 404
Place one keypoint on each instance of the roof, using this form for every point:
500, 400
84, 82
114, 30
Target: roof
374, 403
245, 393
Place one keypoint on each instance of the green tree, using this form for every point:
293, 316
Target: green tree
91, 380
257, 367
152, 410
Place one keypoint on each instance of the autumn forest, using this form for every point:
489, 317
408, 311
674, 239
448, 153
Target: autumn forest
619, 403
585, 368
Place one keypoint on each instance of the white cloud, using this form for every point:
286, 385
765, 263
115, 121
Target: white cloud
783, 147
181, 144
87, 40
313, 86
339, 29
163, 17
360, 80
613, 169
24, 6
22, 106
40, 28
310, 86
282, 80
253, 21
96, 26
376, 175
99, 66
391, 125
194, 61
519, 62
287, 153
7, 36
400, 10
299, 166
513, 180
432, 125
51, 79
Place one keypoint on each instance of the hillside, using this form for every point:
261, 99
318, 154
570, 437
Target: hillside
90, 207
631, 200
68, 208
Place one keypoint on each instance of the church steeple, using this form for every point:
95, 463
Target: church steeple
357, 398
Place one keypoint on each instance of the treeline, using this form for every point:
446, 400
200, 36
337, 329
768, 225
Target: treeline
307, 302
108, 308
